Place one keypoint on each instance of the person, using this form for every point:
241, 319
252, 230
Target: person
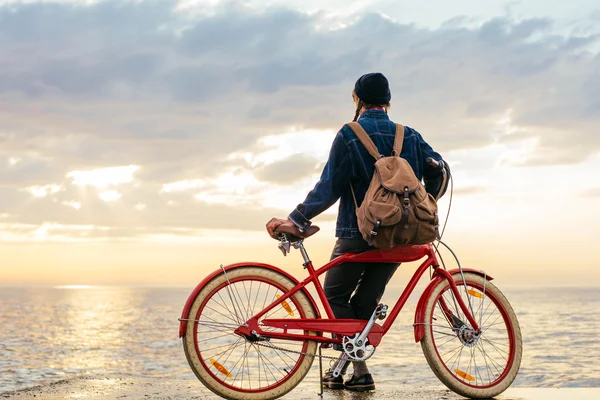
355, 289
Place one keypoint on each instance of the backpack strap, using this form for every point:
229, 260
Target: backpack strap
353, 196
399, 140
364, 138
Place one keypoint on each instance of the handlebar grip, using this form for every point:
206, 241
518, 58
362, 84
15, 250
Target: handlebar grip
434, 163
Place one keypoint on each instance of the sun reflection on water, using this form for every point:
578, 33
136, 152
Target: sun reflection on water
61, 333
75, 287
93, 324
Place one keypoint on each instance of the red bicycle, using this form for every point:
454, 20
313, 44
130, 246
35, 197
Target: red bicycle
252, 331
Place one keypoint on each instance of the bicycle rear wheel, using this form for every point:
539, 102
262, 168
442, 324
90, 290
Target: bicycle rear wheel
233, 366
475, 366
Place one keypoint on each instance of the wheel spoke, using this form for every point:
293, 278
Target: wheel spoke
446, 334
229, 355
493, 323
477, 372
243, 311
269, 368
213, 322
487, 366
224, 306
214, 330
493, 362
219, 347
281, 358
488, 318
483, 337
458, 358
454, 351
258, 363
219, 313
497, 350
275, 309
266, 295
470, 361
448, 341
256, 298
233, 302
242, 357
248, 366
443, 326
216, 337
246, 301
249, 294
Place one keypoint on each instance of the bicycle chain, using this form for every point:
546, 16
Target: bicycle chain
304, 353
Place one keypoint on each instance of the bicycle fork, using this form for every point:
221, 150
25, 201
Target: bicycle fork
466, 309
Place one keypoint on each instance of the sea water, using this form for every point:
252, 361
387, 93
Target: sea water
49, 334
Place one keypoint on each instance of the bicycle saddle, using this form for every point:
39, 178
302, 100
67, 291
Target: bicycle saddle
294, 233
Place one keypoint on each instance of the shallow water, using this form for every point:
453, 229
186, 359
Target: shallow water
50, 334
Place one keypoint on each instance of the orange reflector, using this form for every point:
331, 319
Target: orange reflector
464, 375
286, 306
475, 293
220, 368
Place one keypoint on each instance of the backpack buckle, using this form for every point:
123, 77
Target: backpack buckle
376, 228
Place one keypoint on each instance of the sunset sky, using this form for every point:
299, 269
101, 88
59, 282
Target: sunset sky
147, 142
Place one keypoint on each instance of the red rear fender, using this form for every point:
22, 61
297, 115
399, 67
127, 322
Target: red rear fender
188, 305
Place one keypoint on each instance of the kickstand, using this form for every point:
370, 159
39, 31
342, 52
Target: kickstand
320, 374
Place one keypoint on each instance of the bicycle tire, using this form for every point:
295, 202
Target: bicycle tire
219, 383
508, 349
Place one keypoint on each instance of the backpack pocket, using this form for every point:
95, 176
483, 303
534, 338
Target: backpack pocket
426, 210
388, 214
423, 214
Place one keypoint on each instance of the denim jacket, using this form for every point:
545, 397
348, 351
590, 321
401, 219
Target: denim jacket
349, 163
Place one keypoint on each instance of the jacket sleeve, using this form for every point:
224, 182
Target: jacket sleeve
436, 179
335, 178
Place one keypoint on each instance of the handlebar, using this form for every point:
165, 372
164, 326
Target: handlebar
434, 163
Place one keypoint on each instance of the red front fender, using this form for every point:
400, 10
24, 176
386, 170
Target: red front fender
420, 311
188, 304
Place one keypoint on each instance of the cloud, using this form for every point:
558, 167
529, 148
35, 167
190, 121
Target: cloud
119, 83
289, 170
592, 192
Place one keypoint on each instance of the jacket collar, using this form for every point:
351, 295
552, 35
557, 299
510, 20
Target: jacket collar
374, 114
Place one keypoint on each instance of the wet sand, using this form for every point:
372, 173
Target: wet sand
118, 388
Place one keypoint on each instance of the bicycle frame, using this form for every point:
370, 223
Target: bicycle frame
348, 327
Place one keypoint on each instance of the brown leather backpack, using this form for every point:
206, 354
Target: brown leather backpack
396, 209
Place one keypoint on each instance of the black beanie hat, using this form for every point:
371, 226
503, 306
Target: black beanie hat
373, 88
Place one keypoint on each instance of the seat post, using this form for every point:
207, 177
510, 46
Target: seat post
300, 246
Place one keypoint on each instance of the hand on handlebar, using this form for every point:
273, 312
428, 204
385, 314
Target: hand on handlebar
274, 223
434, 163
437, 178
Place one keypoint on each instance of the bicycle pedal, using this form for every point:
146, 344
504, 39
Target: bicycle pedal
382, 311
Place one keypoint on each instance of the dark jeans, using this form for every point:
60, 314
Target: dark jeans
366, 280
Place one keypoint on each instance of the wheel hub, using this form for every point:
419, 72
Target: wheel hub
255, 337
467, 336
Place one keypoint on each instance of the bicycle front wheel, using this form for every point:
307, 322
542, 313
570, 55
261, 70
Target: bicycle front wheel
476, 366
233, 366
